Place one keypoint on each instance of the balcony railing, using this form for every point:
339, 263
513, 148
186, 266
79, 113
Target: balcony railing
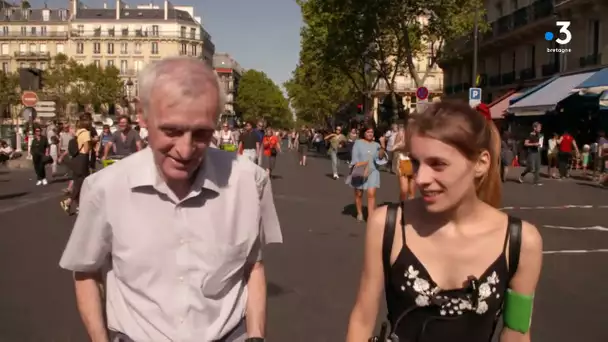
590, 60
111, 33
39, 35
31, 54
549, 69
400, 87
538, 10
507, 78
128, 72
527, 74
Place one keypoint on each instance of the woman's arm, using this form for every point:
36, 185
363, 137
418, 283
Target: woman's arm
354, 159
364, 314
526, 278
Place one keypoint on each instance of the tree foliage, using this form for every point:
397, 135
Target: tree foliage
260, 98
373, 40
67, 81
9, 91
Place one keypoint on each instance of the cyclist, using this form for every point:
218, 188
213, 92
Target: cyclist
125, 141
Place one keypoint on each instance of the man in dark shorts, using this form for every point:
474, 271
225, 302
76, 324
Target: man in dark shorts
303, 139
94, 142
533, 144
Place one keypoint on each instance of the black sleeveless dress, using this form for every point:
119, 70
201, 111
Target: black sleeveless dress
427, 313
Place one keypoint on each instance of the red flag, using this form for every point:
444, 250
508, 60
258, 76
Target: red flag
484, 110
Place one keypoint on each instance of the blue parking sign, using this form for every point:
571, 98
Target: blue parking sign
475, 94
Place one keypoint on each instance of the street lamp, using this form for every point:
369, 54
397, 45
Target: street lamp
129, 85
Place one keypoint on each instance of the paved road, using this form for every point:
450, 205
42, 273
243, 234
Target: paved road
313, 276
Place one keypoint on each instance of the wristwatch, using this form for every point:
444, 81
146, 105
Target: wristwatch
255, 339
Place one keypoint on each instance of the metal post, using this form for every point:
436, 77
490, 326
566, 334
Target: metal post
475, 47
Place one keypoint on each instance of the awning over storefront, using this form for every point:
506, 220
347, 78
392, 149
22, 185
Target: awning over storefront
545, 99
604, 100
531, 90
595, 84
500, 105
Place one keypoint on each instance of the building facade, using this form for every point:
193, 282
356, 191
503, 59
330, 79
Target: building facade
229, 72
514, 53
124, 37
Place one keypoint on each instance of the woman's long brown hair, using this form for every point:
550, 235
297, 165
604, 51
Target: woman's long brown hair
459, 125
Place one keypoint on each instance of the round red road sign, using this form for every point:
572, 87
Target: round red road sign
422, 93
29, 98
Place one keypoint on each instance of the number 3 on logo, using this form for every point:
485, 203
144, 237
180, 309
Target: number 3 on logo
563, 28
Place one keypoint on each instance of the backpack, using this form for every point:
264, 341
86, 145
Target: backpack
73, 148
303, 137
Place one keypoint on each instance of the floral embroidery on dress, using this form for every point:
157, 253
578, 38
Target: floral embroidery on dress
450, 306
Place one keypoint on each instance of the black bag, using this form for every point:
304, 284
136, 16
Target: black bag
388, 335
73, 148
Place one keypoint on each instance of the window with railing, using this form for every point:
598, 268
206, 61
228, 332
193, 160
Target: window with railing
125, 32
137, 49
192, 33
155, 30
97, 32
111, 32
43, 30
80, 30
124, 66
23, 31
110, 48
124, 48
80, 48
182, 32
139, 33
110, 63
96, 48
154, 48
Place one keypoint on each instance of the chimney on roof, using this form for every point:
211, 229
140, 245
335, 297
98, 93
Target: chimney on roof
105, 5
74, 7
118, 6
166, 9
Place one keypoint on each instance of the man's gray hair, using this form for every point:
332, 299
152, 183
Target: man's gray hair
180, 77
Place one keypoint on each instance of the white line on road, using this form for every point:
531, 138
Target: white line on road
596, 228
577, 251
29, 201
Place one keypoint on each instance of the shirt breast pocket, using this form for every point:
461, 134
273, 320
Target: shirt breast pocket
222, 266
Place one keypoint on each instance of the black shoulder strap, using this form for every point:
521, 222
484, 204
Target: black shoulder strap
388, 237
514, 245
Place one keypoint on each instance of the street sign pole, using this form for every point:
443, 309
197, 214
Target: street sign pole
422, 99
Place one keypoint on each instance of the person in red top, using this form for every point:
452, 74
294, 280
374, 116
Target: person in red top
566, 144
271, 146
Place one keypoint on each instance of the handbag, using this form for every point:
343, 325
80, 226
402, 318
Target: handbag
359, 173
47, 160
389, 335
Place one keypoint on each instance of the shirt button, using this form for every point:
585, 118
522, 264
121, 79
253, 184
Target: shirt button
181, 279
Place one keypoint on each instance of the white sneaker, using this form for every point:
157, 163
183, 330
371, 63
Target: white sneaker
336, 176
38, 183
44, 182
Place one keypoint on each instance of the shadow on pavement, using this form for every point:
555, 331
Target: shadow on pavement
11, 196
276, 177
592, 185
274, 290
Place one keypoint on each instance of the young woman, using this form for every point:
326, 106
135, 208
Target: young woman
39, 150
271, 146
364, 156
404, 168
79, 163
447, 264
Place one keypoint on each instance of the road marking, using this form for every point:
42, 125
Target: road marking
25, 202
596, 228
577, 251
557, 207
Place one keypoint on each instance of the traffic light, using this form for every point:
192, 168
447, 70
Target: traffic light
30, 79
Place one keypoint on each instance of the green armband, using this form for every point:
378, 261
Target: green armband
517, 313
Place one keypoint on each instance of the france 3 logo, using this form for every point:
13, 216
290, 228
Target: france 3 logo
563, 37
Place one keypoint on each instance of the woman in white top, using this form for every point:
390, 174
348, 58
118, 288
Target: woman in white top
225, 137
552, 156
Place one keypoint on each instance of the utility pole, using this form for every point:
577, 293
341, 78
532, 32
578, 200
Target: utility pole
475, 46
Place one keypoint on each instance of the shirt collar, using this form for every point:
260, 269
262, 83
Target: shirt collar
149, 176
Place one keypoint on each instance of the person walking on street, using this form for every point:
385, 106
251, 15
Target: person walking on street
249, 144
533, 145
336, 140
566, 146
40, 150
303, 139
271, 147
201, 280
125, 141
79, 163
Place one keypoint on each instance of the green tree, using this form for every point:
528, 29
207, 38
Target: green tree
95, 85
9, 91
260, 98
373, 40
58, 81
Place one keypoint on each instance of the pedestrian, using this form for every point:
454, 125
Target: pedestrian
442, 259
249, 144
303, 138
404, 166
337, 140
54, 153
40, 155
533, 146
507, 154
364, 175
79, 163
271, 149
552, 156
567, 150
183, 226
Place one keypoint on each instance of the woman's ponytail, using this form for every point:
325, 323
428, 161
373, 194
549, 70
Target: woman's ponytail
489, 189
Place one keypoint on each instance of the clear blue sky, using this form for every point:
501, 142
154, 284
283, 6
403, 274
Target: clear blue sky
259, 34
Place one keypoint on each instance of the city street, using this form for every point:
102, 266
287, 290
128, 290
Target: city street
313, 276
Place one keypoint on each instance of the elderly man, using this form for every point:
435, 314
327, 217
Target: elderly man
177, 228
